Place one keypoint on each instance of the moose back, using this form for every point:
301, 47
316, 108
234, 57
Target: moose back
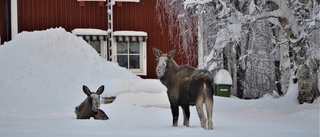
186, 86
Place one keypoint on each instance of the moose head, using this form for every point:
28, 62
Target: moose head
163, 60
93, 97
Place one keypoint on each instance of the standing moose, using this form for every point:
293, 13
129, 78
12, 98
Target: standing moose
186, 86
90, 107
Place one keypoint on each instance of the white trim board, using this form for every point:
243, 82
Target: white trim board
14, 18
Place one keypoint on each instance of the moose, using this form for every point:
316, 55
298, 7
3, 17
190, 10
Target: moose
186, 86
90, 107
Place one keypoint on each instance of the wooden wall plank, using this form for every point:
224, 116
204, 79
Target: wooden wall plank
3, 18
69, 14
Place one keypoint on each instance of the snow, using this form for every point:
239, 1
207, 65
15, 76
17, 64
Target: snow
252, 7
129, 33
186, 2
48, 63
318, 16
89, 31
223, 77
42, 74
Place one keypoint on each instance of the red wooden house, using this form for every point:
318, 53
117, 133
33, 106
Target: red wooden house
123, 31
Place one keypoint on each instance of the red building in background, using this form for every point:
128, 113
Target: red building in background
132, 27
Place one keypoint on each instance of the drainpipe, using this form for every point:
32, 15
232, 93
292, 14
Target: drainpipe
8, 20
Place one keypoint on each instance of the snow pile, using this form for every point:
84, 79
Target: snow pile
223, 77
48, 68
146, 93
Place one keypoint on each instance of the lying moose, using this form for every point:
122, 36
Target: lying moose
90, 107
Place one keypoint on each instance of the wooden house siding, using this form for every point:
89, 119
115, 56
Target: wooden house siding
3, 21
70, 14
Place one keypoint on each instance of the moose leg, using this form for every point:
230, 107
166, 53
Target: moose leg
175, 114
186, 115
76, 110
199, 106
209, 108
100, 115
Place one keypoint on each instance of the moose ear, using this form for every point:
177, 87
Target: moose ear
100, 90
171, 53
86, 90
157, 52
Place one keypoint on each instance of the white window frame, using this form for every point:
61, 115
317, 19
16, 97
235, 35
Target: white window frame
142, 55
143, 58
102, 47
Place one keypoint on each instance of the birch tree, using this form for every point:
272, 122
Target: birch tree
263, 43
182, 25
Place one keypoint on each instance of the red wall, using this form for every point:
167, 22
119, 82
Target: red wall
3, 18
69, 14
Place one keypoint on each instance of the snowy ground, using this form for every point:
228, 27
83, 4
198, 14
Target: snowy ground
42, 73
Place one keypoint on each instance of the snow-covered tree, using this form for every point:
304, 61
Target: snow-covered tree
263, 43
182, 24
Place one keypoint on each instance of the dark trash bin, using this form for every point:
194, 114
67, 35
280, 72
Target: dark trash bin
223, 83
223, 90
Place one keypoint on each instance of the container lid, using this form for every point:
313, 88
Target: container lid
223, 77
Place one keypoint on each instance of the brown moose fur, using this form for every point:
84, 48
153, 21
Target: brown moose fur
85, 110
187, 86
100, 115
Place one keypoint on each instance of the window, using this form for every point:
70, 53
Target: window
96, 45
100, 46
129, 51
96, 38
128, 54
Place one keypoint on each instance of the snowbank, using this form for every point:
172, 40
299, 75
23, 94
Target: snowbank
133, 85
48, 68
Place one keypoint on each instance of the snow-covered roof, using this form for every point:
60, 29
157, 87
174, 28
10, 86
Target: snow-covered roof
89, 31
223, 77
91, 0
130, 33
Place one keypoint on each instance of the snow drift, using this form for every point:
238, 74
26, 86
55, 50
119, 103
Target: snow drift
46, 69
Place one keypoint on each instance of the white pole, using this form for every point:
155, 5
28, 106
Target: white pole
14, 18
